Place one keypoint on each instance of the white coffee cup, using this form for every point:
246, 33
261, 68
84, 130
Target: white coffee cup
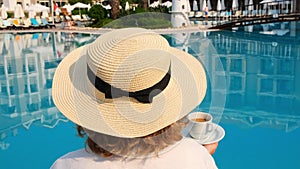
201, 125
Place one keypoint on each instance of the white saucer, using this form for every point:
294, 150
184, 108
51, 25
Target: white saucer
216, 135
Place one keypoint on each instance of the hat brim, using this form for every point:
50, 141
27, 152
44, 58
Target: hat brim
75, 97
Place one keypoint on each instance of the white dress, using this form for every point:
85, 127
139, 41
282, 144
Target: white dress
186, 154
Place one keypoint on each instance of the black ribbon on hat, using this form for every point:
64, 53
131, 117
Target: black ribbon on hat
144, 96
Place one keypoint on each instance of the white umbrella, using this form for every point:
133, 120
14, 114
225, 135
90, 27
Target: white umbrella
126, 6
57, 11
250, 8
10, 4
107, 7
188, 6
223, 5
81, 5
69, 8
37, 8
45, 14
18, 12
201, 4
235, 4
154, 4
204, 5
3, 12
208, 5
31, 14
168, 4
195, 5
219, 5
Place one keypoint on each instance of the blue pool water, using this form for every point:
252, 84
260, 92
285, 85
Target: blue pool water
254, 92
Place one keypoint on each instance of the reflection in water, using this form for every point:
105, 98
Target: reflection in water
27, 66
262, 77
287, 29
257, 73
179, 19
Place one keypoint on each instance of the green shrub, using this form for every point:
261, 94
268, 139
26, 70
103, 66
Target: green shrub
150, 20
10, 15
101, 23
97, 12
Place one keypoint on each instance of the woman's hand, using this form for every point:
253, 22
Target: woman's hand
211, 148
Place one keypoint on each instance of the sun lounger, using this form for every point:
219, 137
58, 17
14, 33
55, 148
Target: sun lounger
237, 14
49, 19
68, 18
62, 18
199, 14
88, 18
223, 15
27, 23
57, 19
213, 14
35, 23
17, 24
43, 25
85, 18
76, 17
245, 13
191, 14
2, 25
6, 24
46, 23
228, 14
209, 14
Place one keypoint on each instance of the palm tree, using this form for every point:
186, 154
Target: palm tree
145, 4
115, 10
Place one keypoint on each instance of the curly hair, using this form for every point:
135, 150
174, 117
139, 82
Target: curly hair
109, 146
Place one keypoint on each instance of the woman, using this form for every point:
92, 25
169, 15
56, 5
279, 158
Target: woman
129, 91
206, 12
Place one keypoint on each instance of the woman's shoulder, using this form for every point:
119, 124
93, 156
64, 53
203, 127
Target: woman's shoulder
193, 153
191, 145
75, 158
187, 142
187, 153
76, 153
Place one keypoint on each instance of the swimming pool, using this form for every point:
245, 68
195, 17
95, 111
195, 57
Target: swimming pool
261, 115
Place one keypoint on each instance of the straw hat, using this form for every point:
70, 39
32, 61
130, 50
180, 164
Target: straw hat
128, 83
